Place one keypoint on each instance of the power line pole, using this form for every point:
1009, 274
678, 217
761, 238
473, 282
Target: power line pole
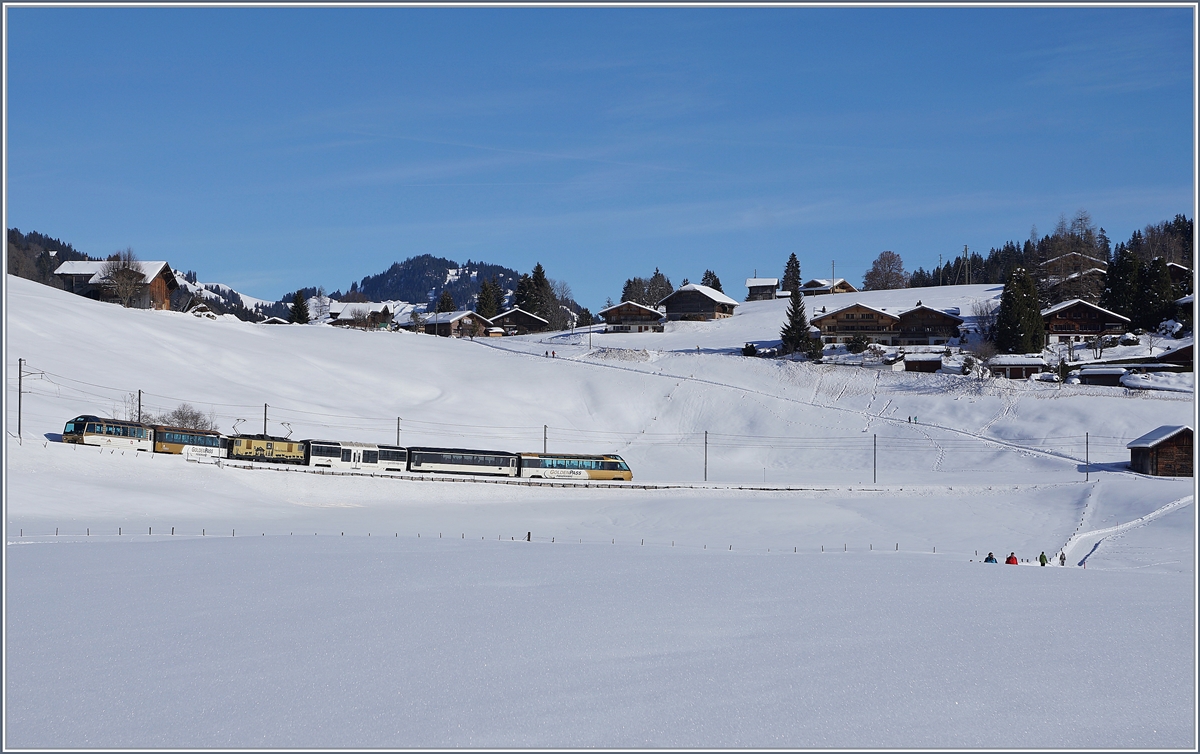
397, 430
706, 455
874, 459
1087, 458
264, 420
20, 378
544, 439
139, 406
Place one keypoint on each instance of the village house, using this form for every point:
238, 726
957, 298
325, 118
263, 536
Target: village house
630, 316
822, 286
517, 321
1016, 366
369, 315
1181, 276
1101, 374
841, 325
1167, 451
460, 324
762, 289
922, 362
1077, 320
925, 326
697, 302
1074, 275
86, 279
1181, 356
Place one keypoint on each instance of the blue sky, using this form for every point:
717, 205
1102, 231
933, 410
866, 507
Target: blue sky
275, 148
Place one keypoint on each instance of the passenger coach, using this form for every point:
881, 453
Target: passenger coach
563, 466
108, 433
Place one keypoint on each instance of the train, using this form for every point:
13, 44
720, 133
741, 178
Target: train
334, 454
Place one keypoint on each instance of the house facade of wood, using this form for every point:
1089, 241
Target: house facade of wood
697, 302
1167, 451
762, 289
842, 325
922, 362
87, 279
520, 322
630, 316
926, 326
370, 315
460, 324
1077, 320
822, 286
1074, 276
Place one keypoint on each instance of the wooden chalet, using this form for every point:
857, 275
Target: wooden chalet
1182, 356
1016, 366
925, 326
86, 279
697, 302
1106, 375
762, 289
517, 321
822, 286
630, 316
1075, 320
1167, 451
1074, 276
369, 315
1181, 276
841, 325
459, 324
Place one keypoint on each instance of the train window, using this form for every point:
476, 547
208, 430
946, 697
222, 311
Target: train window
370, 456
345, 456
391, 455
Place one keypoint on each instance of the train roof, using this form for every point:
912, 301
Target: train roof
185, 429
413, 449
91, 418
260, 436
569, 455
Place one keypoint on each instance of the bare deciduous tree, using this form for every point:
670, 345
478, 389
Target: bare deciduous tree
886, 273
122, 277
186, 416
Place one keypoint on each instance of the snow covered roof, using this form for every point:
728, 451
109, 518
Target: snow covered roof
704, 290
943, 312
150, 270
1095, 370
452, 316
1075, 254
649, 309
1016, 360
337, 308
519, 309
817, 284
1150, 439
1068, 304
1186, 299
758, 282
922, 357
880, 310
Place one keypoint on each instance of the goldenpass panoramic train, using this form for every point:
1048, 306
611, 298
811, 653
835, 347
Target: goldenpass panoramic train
331, 454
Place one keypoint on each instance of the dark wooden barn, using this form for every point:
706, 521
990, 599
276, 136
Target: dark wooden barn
1167, 451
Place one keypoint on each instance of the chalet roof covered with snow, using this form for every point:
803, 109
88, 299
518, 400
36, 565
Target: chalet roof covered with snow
1068, 304
922, 357
516, 309
1150, 439
150, 270
880, 310
648, 309
1016, 360
436, 317
817, 284
759, 282
703, 290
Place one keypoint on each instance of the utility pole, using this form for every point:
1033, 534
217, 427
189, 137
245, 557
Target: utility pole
544, 439
874, 459
397, 430
20, 378
941, 272
967, 259
1087, 458
706, 455
832, 274
139, 406
264, 420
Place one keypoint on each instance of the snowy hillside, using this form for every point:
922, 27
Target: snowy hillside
839, 603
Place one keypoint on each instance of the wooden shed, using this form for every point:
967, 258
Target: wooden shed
630, 316
460, 324
922, 362
762, 289
697, 302
1016, 366
1167, 451
87, 279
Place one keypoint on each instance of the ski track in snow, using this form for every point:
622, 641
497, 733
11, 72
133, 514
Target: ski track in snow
1081, 539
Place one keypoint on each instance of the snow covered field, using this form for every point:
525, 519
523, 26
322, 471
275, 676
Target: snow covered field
697, 614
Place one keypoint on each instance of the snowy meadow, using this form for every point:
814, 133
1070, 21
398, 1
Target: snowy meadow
807, 576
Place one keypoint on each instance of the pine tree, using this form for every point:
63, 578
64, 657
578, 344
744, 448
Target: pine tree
543, 295
525, 296
1019, 327
635, 290
299, 310
658, 288
711, 280
791, 274
1154, 302
795, 329
1121, 282
445, 303
488, 304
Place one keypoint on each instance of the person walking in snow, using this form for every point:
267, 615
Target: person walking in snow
990, 558
1011, 559
1042, 558
1062, 558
